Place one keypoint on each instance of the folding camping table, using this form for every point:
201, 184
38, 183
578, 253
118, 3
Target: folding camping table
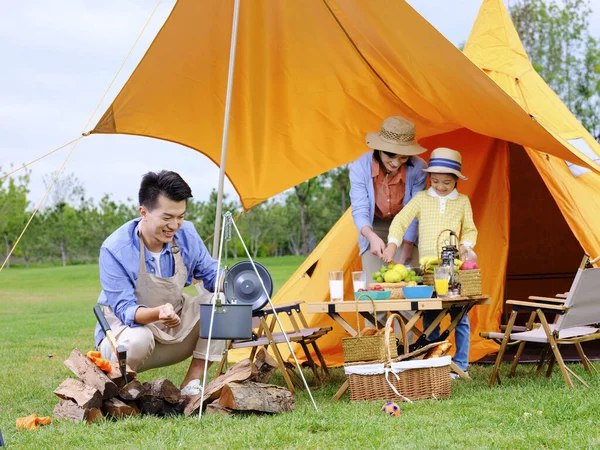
365, 308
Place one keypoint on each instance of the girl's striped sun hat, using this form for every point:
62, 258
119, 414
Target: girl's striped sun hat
445, 160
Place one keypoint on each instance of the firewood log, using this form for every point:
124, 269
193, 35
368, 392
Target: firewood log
132, 390
116, 377
68, 409
243, 370
265, 364
215, 408
163, 389
85, 396
251, 396
90, 374
150, 405
113, 407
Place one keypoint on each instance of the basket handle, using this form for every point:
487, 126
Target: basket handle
358, 318
389, 325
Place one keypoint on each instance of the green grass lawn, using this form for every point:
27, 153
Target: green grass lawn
45, 313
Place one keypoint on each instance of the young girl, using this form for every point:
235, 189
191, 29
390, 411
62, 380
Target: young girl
439, 208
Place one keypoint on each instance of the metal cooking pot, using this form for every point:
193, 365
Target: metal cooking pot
243, 295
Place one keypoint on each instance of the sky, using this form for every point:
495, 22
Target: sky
58, 58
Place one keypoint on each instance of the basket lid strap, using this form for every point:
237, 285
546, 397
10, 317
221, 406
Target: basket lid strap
387, 371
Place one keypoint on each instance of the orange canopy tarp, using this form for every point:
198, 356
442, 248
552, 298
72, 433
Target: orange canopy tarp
311, 79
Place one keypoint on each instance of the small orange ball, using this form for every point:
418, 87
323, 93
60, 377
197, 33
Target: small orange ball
391, 409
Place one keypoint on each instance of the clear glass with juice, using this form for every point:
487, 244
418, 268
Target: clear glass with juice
441, 279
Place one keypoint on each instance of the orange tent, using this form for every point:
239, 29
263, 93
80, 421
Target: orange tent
535, 212
313, 77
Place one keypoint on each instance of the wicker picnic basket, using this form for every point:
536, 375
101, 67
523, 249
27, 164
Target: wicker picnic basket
399, 380
470, 281
368, 348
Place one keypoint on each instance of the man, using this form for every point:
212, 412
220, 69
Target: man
144, 266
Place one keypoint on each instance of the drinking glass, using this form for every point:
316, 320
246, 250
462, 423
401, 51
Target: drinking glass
441, 277
336, 286
359, 280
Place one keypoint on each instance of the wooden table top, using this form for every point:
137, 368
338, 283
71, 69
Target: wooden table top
393, 305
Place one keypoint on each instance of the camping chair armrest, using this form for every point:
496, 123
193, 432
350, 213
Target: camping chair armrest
518, 305
547, 299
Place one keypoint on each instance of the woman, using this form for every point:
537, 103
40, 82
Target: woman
382, 181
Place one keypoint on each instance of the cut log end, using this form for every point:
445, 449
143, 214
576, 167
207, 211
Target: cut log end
117, 409
69, 410
132, 390
85, 396
163, 389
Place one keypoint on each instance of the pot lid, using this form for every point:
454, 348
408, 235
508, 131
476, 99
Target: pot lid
241, 285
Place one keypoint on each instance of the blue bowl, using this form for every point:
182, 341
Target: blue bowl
375, 295
417, 291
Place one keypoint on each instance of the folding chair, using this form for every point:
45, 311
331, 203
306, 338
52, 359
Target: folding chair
263, 336
577, 321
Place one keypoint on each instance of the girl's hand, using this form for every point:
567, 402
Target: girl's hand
377, 245
389, 252
406, 252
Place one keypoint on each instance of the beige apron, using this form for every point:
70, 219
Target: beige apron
153, 291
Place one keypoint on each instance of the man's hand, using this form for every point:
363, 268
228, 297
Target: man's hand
168, 316
389, 252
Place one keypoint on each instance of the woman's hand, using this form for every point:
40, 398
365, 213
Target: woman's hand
376, 245
167, 315
389, 252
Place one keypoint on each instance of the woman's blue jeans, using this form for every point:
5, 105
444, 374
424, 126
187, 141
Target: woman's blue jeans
462, 336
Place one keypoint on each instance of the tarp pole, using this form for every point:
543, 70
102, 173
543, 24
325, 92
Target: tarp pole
234, 28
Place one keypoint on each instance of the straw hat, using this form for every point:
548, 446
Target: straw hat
445, 160
397, 135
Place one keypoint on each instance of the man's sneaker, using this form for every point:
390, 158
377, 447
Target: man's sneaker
455, 376
194, 387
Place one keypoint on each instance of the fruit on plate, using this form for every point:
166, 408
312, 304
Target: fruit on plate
395, 273
469, 265
391, 276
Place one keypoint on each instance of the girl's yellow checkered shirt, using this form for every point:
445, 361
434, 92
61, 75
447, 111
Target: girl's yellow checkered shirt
435, 214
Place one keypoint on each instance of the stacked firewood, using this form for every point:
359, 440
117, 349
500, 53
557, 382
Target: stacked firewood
243, 389
94, 394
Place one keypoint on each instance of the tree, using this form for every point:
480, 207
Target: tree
556, 36
67, 188
202, 215
13, 203
302, 192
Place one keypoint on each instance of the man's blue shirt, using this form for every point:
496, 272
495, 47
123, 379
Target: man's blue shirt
120, 267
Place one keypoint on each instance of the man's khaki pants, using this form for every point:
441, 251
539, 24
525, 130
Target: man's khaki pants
144, 353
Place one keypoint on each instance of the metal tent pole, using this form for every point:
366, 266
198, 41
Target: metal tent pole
234, 28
